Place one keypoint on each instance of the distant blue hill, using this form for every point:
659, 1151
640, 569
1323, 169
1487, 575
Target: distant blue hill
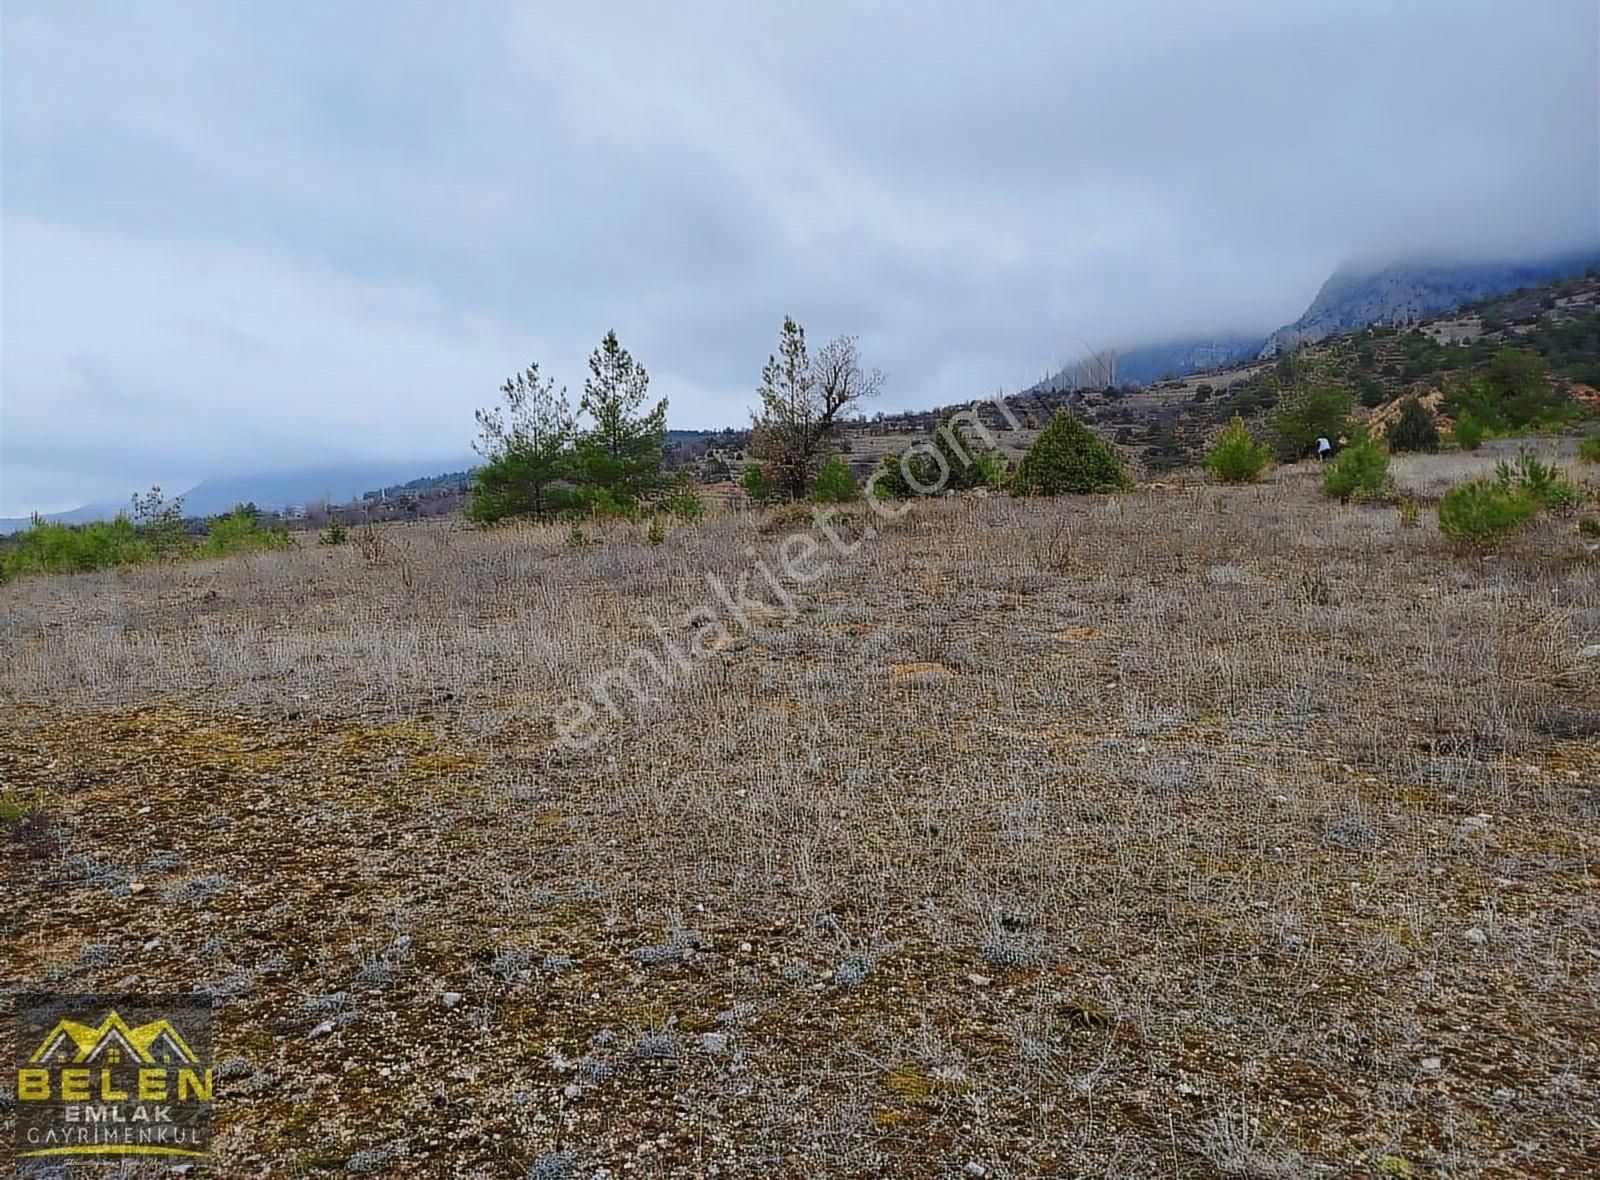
339, 483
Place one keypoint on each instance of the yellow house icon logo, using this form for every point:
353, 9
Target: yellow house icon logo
113, 1042
111, 1077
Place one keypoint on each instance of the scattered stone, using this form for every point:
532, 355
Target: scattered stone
715, 1043
163, 862
1592, 652
1432, 1064
974, 1169
451, 999
322, 1030
796, 973
555, 964
1475, 935
235, 1068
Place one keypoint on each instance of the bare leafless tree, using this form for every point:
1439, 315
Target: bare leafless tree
802, 397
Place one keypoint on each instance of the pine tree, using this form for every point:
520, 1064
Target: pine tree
528, 454
620, 455
1415, 429
1068, 457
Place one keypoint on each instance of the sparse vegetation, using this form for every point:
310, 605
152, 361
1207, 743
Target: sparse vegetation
1589, 449
1237, 798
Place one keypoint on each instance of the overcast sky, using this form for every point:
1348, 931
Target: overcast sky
246, 236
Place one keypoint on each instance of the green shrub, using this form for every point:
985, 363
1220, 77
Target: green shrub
1510, 393
1589, 449
834, 483
1358, 473
656, 533
1068, 457
1237, 457
334, 534
1540, 481
891, 482
1468, 433
1589, 527
757, 483
1481, 511
50, 548
240, 531
1415, 429
604, 504
991, 470
683, 500
1322, 412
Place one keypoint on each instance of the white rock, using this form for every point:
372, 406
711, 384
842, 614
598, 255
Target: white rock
452, 999
1592, 652
1432, 1064
715, 1043
322, 1030
976, 1170
1475, 936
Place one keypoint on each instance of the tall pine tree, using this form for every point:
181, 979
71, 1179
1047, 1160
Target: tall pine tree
621, 454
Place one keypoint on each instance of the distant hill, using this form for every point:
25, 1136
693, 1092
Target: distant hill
1402, 292
1354, 296
1159, 362
272, 491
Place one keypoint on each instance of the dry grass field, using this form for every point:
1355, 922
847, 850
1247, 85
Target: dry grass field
1193, 832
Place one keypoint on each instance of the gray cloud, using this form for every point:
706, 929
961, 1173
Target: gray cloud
239, 237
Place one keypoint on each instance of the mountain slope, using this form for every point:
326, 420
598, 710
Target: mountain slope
1358, 297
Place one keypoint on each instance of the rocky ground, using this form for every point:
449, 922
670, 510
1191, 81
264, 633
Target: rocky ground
1195, 832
